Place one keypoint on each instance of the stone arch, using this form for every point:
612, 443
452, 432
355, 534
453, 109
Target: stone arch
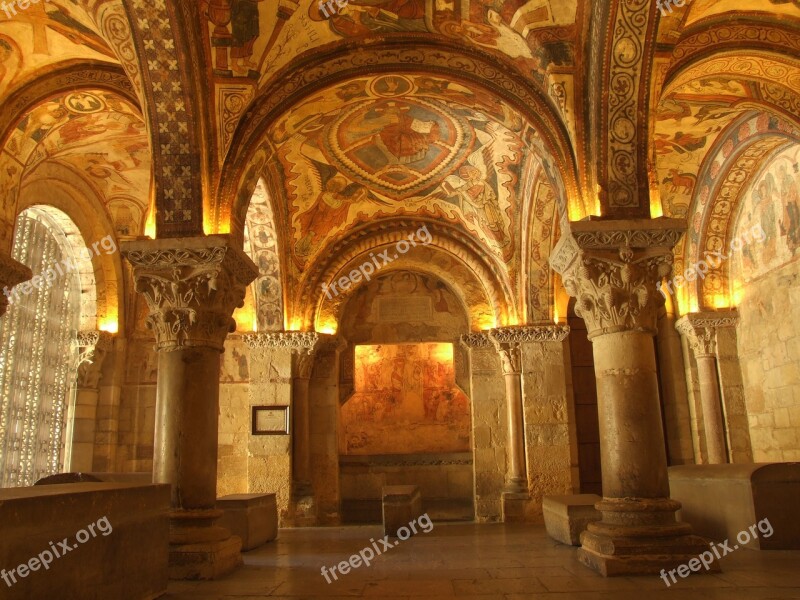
482, 287
347, 60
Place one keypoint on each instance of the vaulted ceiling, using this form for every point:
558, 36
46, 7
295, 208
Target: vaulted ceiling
497, 120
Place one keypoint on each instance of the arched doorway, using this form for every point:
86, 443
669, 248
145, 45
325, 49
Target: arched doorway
404, 417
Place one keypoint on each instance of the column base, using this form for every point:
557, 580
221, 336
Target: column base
209, 560
640, 537
514, 506
200, 550
305, 512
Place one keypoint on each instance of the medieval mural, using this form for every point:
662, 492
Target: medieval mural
406, 401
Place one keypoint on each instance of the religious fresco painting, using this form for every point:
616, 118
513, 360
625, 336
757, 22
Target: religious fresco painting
773, 201
261, 244
57, 133
402, 144
406, 401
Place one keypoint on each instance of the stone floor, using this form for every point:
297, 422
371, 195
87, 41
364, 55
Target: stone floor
508, 562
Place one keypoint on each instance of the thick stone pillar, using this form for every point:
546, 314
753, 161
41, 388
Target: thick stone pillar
82, 414
192, 286
508, 346
700, 330
613, 269
12, 273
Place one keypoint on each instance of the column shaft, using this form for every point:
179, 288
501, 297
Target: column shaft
516, 478
187, 414
302, 442
712, 409
633, 453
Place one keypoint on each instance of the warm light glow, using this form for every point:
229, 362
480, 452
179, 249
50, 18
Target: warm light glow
486, 321
296, 324
656, 210
327, 326
246, 318
555, 313
150, 224
443, 352
109, 324
721, 301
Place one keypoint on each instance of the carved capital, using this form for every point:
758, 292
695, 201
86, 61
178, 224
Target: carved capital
700, 330
192, 286
303, 344
530, 333
93, 346
614, 269
12, 273
475, 340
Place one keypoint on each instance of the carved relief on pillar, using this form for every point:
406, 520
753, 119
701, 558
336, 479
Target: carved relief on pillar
614, 270
192, 287
12, 273
700, 330
475, 340
92, 349
508, 342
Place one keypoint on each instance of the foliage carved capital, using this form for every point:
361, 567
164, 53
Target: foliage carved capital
614, 269
700, 330
93, 346
192, 286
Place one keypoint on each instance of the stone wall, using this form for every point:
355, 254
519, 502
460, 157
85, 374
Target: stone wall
769, 351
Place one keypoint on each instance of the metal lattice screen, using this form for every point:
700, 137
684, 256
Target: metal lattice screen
38, 338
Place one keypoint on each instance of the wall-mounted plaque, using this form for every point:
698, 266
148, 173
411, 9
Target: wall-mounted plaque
270, 420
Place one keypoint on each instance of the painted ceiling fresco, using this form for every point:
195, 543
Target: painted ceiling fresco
251, 40
400, 145
94, 135
261, 245
43, 34
702, 9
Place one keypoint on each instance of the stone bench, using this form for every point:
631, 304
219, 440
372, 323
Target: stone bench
253, 517
565, 517
118, 533
720, 501
401, 504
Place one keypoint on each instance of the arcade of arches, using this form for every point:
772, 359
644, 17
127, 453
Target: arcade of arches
496, 249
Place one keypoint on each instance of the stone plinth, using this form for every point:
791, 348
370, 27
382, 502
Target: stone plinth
566, 517
125, 560
252, 517
723, 500
401, 505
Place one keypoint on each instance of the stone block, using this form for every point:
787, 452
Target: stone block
401, 504
252, 517
565, 517
118, 533
720, 501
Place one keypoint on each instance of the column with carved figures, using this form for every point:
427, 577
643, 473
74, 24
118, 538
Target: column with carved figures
614, 269
192, 287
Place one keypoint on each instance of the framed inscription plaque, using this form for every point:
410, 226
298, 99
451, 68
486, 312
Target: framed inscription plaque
270, 420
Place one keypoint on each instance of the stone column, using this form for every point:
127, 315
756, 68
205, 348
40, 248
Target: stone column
82, 415
12, 273
506, 342
700, 330
192, 286
303, 345
613, 269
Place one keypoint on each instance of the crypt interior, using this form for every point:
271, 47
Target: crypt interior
280, 276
